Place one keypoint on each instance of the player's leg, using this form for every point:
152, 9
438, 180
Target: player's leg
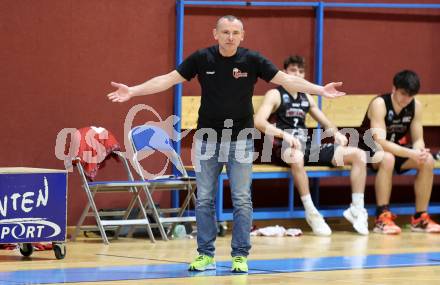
384, 223
421, 221
356, 158
295, 158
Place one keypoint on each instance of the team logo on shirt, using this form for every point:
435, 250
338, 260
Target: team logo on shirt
285, 98
396, 129
293, 112
406, 119
390, 115
237, 73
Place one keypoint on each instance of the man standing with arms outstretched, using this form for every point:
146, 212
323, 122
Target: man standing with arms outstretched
227, 75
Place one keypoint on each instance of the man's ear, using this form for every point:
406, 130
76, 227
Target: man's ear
214, 33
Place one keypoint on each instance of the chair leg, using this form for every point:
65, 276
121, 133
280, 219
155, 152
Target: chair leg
193, 198
187, 200
144, 214
97, 217
190, 196
138, 216
127, 212
155, 213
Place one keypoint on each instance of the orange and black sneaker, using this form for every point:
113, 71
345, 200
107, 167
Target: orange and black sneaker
385, 224
424, 224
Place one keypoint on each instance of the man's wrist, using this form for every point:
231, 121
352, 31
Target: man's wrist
411, 152
281, 133
131, 92
321, 90
334, 131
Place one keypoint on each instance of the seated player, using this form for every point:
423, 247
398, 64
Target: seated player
391, 117
293, 146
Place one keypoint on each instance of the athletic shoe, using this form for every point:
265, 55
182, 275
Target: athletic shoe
202, 263
385, 224
424, 224
318, 225
239, 264
359, 218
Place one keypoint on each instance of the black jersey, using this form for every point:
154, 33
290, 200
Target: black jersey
227, 85
291, 114
397, 125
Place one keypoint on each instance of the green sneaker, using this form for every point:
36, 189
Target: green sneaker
239, 264
202, 263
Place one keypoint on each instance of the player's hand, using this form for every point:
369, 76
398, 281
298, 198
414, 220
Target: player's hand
420, 155
426, 153
122, 94
340, 139
330, 91
292, 141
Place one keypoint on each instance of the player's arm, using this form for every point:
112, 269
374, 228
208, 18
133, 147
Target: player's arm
416, 127
271, 102
154, 85
295, 84
376, 114
328, 125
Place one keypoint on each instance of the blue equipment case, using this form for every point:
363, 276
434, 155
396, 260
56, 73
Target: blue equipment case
33, 208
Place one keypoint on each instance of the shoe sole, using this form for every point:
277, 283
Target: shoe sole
238, 271
379, 231
318, 233
419, 230
208, 267
349, 218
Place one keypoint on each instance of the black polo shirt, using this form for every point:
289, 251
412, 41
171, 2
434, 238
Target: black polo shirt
227, 85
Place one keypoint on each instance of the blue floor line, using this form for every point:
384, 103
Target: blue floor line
179, 270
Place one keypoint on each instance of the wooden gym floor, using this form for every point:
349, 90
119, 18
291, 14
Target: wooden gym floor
343, 258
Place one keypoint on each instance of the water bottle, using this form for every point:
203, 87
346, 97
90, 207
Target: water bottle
179, 232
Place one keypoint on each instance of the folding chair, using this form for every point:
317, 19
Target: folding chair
92, 188
148, 139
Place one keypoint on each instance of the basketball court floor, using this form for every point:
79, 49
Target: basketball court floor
343, 258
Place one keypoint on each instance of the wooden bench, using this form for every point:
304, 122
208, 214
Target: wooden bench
347, 111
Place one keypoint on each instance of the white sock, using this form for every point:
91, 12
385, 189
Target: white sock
309, 207
357, 199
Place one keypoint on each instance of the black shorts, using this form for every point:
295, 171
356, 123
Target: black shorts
314, 155
399, 161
